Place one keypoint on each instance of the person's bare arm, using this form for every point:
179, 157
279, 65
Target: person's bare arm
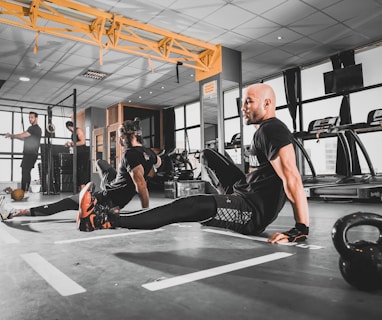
137, 174
19, 136
284, 165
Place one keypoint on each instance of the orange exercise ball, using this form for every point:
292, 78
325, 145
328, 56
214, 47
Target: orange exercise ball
17, 194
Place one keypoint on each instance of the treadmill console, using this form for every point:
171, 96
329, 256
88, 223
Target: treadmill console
323, 125
374, 118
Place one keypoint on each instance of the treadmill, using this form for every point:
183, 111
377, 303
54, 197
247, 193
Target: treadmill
365, 187
317, 129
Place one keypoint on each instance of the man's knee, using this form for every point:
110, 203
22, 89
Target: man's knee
209, 156
195, 202
102, 165
101, 162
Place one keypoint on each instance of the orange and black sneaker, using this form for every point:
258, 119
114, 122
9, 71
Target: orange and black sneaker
86, 215
93, 215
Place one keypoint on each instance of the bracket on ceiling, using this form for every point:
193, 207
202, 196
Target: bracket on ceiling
79, 22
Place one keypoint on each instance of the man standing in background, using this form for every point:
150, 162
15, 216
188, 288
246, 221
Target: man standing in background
31, 138
83, 175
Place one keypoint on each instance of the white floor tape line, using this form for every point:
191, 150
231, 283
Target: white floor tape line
301, 245
58, 280
176, 281
107, 236
237, 235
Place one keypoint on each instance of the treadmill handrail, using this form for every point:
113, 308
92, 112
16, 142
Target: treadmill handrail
304, 135
306, 155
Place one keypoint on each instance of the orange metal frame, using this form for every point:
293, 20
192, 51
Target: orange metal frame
79, 22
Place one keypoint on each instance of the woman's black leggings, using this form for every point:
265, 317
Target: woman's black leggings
70, 203
195, 208
228, 211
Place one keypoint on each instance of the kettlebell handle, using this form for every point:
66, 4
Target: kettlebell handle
342, 226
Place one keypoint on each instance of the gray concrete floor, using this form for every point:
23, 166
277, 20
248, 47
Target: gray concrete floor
111, 274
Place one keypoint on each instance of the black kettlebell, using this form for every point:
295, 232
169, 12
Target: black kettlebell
360, 262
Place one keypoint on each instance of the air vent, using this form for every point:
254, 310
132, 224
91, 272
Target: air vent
93, 74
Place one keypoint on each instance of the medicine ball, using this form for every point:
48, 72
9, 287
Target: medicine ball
17, 194
360, 262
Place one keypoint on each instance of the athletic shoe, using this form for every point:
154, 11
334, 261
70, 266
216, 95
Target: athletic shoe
92, 215
6, 211
85, 218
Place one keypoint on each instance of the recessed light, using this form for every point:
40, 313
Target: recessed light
24, 79
151, 92
93, 74
162, 87
279, 38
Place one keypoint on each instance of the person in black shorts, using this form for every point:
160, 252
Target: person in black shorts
31, 138
246, 203
117, 187
83, 174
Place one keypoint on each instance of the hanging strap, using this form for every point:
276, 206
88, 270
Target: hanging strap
22, 119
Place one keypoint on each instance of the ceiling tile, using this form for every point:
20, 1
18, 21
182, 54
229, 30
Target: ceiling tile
312, 24
312, 31
229, 17
285, 13
256, 28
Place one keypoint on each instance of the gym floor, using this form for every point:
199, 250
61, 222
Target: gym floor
49, 270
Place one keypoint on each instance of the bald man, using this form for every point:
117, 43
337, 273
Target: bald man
246, 203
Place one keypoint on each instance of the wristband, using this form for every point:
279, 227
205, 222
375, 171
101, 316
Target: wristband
297, 234
302, 227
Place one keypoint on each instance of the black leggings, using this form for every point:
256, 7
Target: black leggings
195, 208
70, 203
227, 211
107, 173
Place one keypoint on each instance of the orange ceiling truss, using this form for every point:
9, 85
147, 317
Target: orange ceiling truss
79, 22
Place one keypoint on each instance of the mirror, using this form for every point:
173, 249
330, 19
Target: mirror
210, 114
212, 108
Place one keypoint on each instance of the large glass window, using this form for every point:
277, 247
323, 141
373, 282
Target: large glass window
6, 126
193, 114
5, 163
232, 127
371, 66
312, 80
180, 139
284, 116
231, 109
188, 133
179, 117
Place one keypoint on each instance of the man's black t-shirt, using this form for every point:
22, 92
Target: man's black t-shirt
32, 142
263, 189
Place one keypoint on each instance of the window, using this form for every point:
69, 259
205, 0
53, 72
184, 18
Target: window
179, 117
193, 114
231, 109
188, 137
